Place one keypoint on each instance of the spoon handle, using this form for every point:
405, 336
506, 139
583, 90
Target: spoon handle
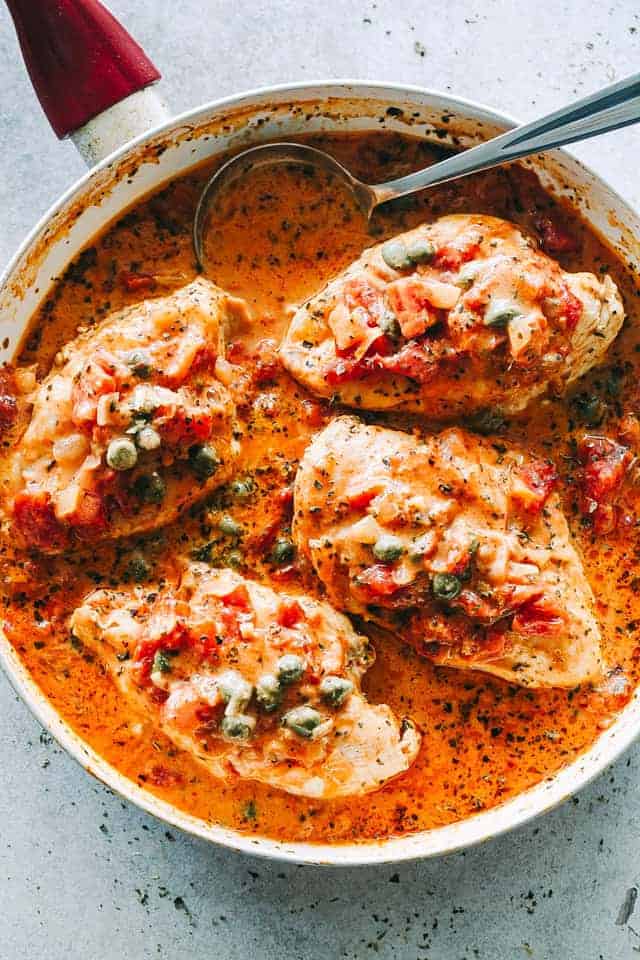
80, 59
609, 109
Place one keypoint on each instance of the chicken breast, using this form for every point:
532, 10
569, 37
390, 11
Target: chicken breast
254, 684
460, 548
452, 318
129, 427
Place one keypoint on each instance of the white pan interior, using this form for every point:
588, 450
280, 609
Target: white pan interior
278, 113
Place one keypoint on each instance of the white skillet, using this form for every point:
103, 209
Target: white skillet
160, 148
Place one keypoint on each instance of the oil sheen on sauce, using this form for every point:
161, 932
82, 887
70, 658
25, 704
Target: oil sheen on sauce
280, 238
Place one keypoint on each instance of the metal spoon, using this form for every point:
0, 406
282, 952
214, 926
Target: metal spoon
610, 109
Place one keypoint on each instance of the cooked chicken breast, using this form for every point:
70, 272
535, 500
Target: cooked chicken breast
129, 427
449, 319
460, 548
254, 684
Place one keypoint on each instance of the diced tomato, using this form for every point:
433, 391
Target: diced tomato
177, 639
570, 308
358, 292
290, 613
410, 300
267, 364
539, 618
534, 483
238, 597
451, 256
344, 371
285, 497
411, 361
475, 607
137, 282
360, 501
115, 490
236, 351
555, 237
608, 456
206, 642
91, 515
204, 361
205, 714
378, 581
382, 346
355, 317
158, 694
35, 520
605, 466
185, 426
494, 642
97, 378
146, 649
230, 625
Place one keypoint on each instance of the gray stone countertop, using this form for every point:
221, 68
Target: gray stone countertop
84, 875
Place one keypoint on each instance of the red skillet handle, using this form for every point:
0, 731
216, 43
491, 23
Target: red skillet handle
80, 60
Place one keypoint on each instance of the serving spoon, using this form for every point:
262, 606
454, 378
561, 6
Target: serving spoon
612, 108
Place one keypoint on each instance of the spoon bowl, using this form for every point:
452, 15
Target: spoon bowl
266, 155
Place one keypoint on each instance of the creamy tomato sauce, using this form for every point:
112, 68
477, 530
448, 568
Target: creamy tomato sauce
280, 239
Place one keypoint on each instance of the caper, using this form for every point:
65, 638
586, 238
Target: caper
150, 488
302, 720
204, 460
446, 586
283, 551
395, 255
421, 250
137, 569
268, 692
161, 663
122, 454
335, 690
290, 668
242, 489
237, 726
500, 312
234, 689
230, 527
235, 558
147, 438
388, 548
140, 364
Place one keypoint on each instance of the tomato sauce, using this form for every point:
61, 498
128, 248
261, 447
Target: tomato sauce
278, 240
